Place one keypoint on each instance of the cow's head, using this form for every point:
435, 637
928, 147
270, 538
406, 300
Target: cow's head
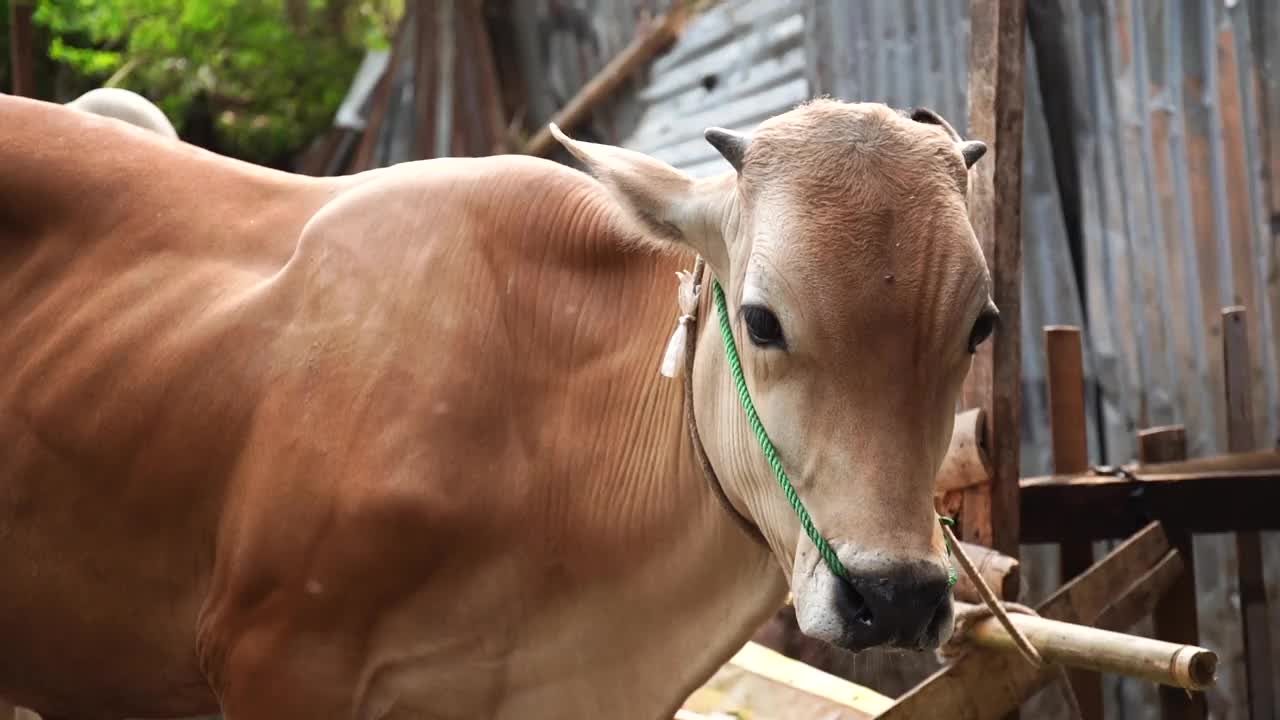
857, 294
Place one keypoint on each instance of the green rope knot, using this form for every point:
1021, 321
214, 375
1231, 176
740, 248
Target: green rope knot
952, 576
825, 550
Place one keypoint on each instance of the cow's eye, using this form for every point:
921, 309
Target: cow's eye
763, 327
982, 328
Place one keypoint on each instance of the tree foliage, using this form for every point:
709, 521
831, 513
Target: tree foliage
271, 72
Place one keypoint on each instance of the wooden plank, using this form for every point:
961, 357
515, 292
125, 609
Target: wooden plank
1065, 358
1258, 462
1239, 381
1103, 507
1163, 444
1084, 598
1146, 593
21, 48
1259, 671
996, 56
1066, 398
760, 682
985, 684
1174, 616
643, 49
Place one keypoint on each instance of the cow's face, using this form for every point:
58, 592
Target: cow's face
857, 293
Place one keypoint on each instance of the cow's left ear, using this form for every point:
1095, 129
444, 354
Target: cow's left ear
665, 204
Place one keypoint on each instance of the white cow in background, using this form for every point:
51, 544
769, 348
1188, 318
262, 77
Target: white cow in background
125, 105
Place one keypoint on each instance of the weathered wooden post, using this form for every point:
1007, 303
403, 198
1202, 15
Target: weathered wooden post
1259, 674
989, 515
997, 54
1174, 616
1071, 455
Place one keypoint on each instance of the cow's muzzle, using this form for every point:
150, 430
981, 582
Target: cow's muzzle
885, 602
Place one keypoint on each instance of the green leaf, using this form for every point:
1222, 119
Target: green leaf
274, 70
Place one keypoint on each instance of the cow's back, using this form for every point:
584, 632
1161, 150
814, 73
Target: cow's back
131, 275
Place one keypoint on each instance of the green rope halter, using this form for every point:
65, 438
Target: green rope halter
771, 454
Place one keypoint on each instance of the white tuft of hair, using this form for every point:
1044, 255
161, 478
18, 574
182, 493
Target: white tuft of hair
125, 105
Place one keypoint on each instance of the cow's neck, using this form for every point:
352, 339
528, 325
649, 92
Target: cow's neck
695, 585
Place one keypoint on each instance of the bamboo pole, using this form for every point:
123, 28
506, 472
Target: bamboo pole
1089, 648
641, 50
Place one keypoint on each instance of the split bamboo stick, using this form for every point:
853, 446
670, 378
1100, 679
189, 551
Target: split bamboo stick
1000, 572
1088, 648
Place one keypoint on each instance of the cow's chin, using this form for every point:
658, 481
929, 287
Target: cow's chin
827, 611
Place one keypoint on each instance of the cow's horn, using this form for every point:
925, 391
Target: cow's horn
732, 145
972, 150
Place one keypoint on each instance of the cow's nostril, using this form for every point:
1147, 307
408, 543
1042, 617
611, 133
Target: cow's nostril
854, 605
864, 616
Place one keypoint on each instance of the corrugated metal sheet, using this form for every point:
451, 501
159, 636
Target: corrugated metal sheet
564, 43
736, 65
904, 53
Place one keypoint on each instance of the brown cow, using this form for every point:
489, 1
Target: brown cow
394, 445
